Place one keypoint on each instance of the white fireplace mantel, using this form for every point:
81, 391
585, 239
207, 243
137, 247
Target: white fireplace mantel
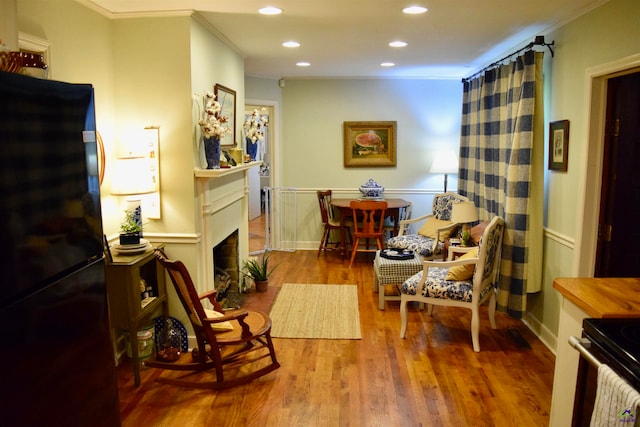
215, 173
222, 198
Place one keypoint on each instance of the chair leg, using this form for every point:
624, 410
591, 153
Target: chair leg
403, 317
354, 250
348, 237
323, 241
492, 310
475, 328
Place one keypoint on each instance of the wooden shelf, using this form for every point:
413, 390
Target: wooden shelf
126, 312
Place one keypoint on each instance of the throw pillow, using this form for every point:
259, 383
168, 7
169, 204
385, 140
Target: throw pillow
430, 227
463, 272
222, 326
477, 231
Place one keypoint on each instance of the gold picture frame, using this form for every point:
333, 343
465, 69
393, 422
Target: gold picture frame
369, 144
227, 99
559, 145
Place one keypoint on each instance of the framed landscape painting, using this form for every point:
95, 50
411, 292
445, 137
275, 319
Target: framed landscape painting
369, 144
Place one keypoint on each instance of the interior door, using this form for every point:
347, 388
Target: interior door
258, 179
618, 249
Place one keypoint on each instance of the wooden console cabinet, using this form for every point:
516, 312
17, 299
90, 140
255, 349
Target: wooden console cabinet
126, 309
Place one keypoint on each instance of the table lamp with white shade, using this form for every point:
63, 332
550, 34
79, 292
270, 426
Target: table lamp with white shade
464, 213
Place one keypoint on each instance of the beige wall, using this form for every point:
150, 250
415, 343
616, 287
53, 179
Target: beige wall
153, 87
427, 113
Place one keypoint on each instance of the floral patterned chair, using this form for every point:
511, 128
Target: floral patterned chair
435, 227
466, 282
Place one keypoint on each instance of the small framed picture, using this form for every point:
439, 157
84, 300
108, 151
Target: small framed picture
559, 145
369, 144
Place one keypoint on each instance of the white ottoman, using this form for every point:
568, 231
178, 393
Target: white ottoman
392, 272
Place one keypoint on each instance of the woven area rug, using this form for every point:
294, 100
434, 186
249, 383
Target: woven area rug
316, 311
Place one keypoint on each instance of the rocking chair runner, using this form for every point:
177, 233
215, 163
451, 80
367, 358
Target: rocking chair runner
227, 341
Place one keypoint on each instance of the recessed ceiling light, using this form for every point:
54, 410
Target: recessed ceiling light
270, 10
303, 64
291, 43
414, 10
398, 43
387, 64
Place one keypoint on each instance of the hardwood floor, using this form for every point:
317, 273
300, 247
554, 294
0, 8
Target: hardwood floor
431, 378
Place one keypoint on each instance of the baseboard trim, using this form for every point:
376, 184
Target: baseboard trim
542, 332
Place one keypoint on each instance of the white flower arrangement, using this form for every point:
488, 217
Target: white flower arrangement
213, 124
255, 124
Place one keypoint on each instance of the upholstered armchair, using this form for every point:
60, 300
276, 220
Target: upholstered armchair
433, 228
466, 282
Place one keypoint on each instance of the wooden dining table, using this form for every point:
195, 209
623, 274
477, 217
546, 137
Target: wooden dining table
344, 207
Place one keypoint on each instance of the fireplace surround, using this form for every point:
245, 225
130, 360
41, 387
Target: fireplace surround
226, 264
222, 208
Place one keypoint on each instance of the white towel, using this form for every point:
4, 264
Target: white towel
617, 403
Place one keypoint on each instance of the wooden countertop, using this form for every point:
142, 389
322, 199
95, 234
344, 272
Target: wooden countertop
602, 297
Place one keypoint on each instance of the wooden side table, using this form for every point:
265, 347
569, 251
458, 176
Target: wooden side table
128, 309
454, 252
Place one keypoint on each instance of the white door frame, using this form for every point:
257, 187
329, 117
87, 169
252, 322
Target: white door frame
274, 134
596, 81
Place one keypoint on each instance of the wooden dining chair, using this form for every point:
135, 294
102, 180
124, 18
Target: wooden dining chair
368, 223
330, 222
391, 227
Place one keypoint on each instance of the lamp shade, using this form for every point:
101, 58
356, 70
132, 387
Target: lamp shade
464, 213
132, 175
445, 162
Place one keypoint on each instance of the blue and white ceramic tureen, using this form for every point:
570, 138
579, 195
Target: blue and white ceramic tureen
371, 190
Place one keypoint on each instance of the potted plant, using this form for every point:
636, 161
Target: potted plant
465, 236
130, 229
258, 270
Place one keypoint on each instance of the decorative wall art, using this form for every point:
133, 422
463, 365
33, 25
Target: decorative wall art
227, 99
559, 145
369, 144
151, 202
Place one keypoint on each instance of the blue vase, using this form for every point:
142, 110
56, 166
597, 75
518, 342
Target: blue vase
212, 152
252, 148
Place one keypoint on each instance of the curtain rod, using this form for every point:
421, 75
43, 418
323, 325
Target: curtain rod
538, 41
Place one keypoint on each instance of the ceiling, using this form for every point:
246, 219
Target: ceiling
350, 38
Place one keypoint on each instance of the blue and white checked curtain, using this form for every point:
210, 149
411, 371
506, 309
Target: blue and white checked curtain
501, 168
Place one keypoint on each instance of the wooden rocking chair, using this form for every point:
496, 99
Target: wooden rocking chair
227, 342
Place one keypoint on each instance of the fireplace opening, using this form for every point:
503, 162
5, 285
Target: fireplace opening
226, 267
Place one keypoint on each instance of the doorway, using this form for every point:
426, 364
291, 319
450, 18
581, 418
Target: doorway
616, 252
264, 177
260, 178
593, 162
